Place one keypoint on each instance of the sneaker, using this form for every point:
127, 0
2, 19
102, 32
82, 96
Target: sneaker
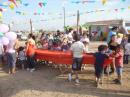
120, 83
28, 69
32, 70
69, 77
116, 80
77, 80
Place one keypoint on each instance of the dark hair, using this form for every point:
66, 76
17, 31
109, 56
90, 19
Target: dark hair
30, 35
70, 29
33, 37
21, 48
114, 28
76, 37
111, 39
102, 48
128, 40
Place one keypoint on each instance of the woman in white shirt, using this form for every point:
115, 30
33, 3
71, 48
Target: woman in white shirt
11, 56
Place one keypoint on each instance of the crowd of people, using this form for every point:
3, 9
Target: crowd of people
117, 48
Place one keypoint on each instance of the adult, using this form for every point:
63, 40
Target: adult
112, 48
113, 43
11, 56
85, 37
30, 52
77, 50
112, 32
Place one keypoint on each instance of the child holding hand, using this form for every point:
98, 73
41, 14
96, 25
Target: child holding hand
99, 61
119, 63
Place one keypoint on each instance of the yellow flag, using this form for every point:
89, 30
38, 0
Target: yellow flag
12, 6
128, 7
104, 2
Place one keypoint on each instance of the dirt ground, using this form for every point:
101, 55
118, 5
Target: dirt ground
47, 81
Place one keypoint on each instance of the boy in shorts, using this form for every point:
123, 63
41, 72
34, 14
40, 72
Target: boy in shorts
99, 61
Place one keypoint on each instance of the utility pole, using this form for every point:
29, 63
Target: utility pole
64, 18
78, 17
30, 25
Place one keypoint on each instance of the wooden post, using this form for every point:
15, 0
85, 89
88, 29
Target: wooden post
78, 21
64, 18
9, 27
30, 25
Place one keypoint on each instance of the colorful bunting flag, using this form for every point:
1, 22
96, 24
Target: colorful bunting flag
104, 2
123, 0
122, 9
26, 4
3, 5
11, 6
14, 2
18, 12
19, 1
39, 11
116, 10
88, 1
41, 4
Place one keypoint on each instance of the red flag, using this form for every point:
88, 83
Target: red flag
13, 1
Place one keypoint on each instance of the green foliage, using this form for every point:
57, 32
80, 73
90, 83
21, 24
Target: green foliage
86, 26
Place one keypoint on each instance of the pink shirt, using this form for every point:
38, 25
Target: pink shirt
119, 59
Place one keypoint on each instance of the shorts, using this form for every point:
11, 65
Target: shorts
77, 63
11, 60
119, 70
98, 71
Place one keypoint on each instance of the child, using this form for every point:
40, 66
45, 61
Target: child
45, 44
127, 52
119, 63
65, 46
21, 57
100, 57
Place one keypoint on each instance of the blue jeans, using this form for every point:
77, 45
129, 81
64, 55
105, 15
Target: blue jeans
11, 60
119, 71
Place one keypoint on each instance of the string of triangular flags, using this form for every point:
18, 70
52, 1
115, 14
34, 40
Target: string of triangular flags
14, 3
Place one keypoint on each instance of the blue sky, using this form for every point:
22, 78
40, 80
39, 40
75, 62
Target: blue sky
54, 9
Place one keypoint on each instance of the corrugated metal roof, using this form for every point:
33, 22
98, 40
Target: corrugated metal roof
109, 22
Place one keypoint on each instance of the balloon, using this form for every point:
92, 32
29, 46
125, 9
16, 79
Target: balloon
4, 28
104, 2
1, 34
1, 15
1, 9
11, 35
5, 41
40, 4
